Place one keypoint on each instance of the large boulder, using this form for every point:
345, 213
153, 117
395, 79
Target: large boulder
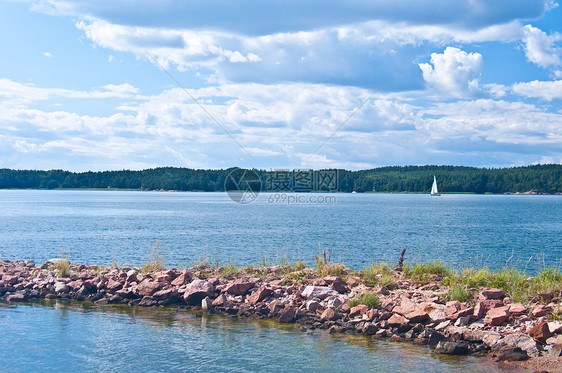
197, 290
521, 340
147, 287
451, 348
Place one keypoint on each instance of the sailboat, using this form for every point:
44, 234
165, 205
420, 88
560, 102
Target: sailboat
434, 191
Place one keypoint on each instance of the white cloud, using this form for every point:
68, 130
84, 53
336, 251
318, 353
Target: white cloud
47, 54
540, 48
547, 90
454, 73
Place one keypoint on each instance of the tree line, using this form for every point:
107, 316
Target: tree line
451, 179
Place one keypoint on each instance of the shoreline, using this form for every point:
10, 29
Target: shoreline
420, 305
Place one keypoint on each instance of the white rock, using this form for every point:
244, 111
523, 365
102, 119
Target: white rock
319, 292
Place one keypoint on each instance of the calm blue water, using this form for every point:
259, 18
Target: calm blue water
98, 227
76, 338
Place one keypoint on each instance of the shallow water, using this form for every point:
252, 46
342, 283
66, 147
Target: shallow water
71, 337
100, 227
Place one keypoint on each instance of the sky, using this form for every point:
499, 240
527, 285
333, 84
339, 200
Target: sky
279, 84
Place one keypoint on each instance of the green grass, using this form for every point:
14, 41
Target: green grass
231, 269
370, 300
378, 274
458, 292
63, 268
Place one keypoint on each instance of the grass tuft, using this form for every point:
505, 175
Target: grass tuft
155, 261
370, 300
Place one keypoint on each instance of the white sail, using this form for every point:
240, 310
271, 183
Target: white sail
434, 191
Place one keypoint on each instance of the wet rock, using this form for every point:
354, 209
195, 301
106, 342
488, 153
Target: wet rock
16, 297
287, 315
451, 348
148, 301
197, 290
492, 294
434, 338
219, 301
370, 329
147, 287
511, 353
540, 332
240, 286
320, 292
206, 304
497, 316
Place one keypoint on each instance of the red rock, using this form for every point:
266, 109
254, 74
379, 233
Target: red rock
9, 279
147, 287
331, 279
240, 286
329, 314
492, 293
371, 314
496, 316
461, 313
182, 279
219, 301
319, 282
418, 315
485, 305
164, 276
274, 307
113, 285
407, 306
541, 310
75, 285
397, 320
351, 283
452, 307
517, 309
169, 293
339, 287
540, 332
358, 310
259, 295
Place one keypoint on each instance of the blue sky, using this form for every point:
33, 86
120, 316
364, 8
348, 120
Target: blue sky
471, 82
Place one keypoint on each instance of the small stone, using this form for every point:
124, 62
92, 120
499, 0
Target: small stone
206, 304
517, 309
60, 287
540, 332
259, 295
312, 305
555, 327
184, 278
462, 321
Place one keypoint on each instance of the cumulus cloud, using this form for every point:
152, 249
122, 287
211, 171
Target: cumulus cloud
546, 90
540, 48
47, 54
454, 72
279, 125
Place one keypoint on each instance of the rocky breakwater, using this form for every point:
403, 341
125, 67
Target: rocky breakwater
406, 310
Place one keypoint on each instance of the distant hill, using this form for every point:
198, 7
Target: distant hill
451, 179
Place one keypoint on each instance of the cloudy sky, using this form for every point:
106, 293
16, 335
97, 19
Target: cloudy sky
96, 85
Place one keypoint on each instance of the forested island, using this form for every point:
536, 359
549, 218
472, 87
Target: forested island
395, 179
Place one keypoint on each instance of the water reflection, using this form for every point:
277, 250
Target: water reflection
70, 336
